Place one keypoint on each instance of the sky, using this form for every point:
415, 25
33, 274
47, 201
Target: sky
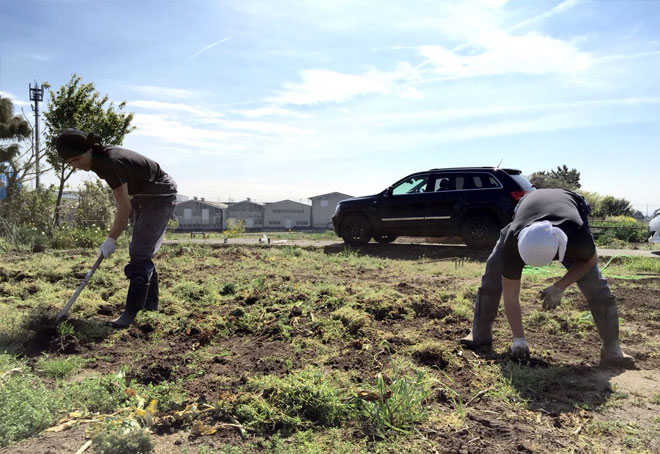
290, 99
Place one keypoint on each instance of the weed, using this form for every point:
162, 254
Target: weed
656, 398
121, 436
97, 394
227, 289
353, 320
26, 406
300, 400
59, 367
395, 407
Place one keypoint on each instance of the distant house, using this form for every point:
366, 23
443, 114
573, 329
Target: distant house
252, 213
323, 208
286, 214
199, 214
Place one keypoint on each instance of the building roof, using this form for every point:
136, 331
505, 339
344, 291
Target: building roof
330, 193
204, 202
248, 201
287, 201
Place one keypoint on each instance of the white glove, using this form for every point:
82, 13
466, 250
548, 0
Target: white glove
519, 348
551, 297
107, 247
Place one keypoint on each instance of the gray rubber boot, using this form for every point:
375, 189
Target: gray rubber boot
137, 294
485, 311
606, 319
151, 304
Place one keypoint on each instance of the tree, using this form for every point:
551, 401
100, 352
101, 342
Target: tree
560, 178
79, 105
611, 206
16, 167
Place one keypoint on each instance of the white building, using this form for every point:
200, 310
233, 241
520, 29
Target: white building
323, 208
252, 213
287, 214
200, 215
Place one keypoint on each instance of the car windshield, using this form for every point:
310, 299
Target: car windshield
411, 185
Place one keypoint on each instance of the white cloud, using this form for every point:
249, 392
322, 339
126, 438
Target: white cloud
319, 86
271, 111
210, 46
174, 107
165, 92
502, 53
559, 9
14, 100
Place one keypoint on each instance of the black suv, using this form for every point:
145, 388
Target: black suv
471, 202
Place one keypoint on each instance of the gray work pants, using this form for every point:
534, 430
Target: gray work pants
151, 215
593, 285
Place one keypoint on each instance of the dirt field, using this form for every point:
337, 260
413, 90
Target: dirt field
237, 321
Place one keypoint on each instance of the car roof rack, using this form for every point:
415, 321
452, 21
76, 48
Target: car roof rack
477, 168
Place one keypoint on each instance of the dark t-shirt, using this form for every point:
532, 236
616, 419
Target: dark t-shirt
564, 209
118, 165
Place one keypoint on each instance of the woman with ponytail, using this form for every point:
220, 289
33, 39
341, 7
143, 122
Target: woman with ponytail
139, 185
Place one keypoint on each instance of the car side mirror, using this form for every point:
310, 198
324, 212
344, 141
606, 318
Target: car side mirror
388, 191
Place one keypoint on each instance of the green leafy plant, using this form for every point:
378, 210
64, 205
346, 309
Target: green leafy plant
235, 228
396, 407
122, 436
59, 367
26, 406
302, 399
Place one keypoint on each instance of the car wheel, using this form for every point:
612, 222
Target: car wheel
384, 239
356, 230
480, 232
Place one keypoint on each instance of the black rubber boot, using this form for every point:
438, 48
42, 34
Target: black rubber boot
485, 311
606, 319
137, 294
151, 303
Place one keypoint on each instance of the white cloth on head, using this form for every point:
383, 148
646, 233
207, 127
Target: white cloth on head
540, 242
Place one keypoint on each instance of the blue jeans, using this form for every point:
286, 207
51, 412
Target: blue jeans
593, 285
151, 215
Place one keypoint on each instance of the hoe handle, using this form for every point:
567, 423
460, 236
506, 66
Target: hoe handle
83, 283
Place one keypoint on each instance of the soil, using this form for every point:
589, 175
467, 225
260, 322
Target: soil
550, 422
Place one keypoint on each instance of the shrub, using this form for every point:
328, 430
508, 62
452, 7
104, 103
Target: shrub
26, 406
235, 228
121, 437
621, 230
73, 237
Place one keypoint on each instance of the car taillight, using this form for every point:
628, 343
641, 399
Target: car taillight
517, 195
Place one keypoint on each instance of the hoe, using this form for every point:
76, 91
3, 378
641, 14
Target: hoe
67, 306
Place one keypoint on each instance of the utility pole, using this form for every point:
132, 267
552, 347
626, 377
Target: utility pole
36, 95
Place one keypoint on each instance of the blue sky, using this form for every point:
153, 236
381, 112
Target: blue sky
290, 99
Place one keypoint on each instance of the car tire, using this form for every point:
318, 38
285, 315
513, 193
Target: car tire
356, 230
480, 232
384, 239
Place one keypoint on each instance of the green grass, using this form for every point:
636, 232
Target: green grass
59, 367
337, 324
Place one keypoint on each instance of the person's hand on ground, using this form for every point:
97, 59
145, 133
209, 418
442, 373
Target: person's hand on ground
551, 297
107, 247
520, 349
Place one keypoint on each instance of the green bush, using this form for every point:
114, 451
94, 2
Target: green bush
77, 237
621, 230
235, 228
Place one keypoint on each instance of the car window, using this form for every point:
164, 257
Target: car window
411, 185
482, 181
